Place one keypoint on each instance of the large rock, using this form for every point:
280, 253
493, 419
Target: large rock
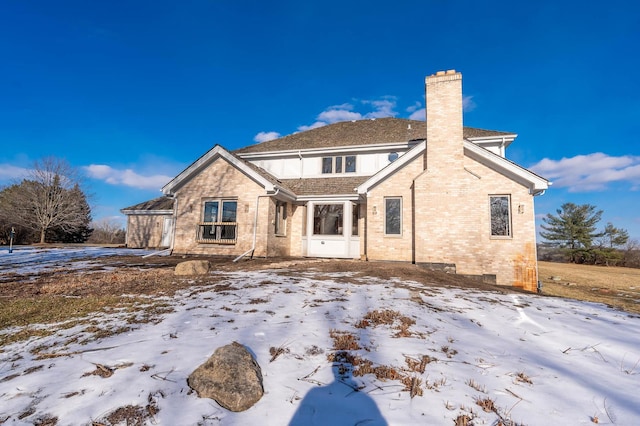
192, 267
231, 377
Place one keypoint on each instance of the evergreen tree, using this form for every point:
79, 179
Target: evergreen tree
574, 228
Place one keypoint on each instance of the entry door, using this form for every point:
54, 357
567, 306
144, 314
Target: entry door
167, 228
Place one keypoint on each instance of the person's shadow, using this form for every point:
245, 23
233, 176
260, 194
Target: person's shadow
338, 403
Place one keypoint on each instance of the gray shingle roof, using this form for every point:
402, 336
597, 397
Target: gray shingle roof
160, 203
325, 186
354, 133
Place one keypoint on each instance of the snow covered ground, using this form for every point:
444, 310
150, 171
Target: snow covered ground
537, 360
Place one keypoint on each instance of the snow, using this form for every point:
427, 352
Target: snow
541, 360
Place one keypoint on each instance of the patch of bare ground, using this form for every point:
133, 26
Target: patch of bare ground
615, 286
138, 285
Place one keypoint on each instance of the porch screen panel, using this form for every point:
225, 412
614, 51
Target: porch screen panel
327, 219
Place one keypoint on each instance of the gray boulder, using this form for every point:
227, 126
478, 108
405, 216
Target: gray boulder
192, 267
231, 377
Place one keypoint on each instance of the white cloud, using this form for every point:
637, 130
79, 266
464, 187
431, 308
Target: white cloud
419, 114
378, 108
591, 172
126, 177
266, 136
414, 107
312, 126
335, 115
468, 104
9, 172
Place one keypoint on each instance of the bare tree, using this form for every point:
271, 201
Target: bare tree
49, 198
107, 230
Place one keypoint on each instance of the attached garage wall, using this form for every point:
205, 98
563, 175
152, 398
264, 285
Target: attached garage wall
145, 230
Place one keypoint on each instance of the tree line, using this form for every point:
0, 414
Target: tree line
573, 232
50, 206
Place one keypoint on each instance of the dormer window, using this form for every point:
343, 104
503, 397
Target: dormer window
339, 164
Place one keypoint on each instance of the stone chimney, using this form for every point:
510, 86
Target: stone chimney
445, 148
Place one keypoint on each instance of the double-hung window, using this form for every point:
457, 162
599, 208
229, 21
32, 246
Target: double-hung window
218, 222
500, 206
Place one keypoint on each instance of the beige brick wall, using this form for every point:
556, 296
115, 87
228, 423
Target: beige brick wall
379, 245
452, 222
444, 121
144, 231
221, 180
295, 226
446, 211
278, 245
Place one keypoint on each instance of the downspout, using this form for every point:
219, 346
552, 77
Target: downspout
255, 226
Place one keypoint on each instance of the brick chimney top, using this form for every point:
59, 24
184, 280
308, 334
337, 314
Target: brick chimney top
450, 74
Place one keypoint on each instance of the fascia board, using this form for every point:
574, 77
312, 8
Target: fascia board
146, 212
325, 198
392, 168
503, 140
207, 159
535, 182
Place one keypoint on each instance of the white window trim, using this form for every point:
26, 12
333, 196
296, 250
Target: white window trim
510, 234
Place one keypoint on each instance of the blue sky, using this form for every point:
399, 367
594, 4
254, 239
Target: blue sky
131, 92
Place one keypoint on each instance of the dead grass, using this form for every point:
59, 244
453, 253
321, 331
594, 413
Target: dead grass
614, 286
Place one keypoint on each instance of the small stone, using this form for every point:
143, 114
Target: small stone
231, 377
192, 267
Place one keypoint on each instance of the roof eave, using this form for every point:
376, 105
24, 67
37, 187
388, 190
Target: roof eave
392, 168
209, 157
537, 184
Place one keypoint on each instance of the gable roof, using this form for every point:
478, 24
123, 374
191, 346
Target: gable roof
160, 205
259, 175
358, 132
536, 184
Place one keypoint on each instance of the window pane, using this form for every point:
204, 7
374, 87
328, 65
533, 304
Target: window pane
392, 216
327, 166
354, 219
281, 217
500, 221
229, 211
338, 164
327, 219
210, 211
350, 164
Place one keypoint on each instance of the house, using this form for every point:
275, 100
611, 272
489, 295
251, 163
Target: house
433, 193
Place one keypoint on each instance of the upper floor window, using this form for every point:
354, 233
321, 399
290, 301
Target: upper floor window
339, 164
500, 215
